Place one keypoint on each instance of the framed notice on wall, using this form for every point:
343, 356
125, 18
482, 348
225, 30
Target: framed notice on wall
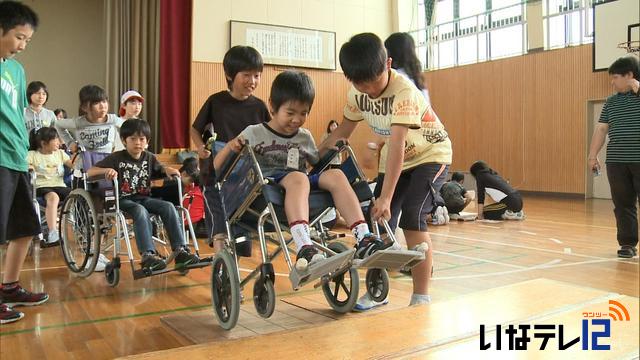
289, 46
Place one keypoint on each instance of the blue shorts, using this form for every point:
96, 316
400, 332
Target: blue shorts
313, 179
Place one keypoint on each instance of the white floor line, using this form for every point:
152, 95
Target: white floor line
527, 232
250, 270
555, 240
519, 246
479, 259
574, 224
490, 227
549, 265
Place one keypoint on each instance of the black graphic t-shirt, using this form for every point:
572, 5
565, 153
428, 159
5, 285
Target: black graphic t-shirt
134, 176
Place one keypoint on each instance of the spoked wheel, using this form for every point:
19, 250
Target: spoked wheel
377, 281
80, 233
341, 291
225, 290
264, 297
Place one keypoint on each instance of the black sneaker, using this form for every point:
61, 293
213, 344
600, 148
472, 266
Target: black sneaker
627, 251
153, 262
368, 246
185, 258
8, 315
307, 255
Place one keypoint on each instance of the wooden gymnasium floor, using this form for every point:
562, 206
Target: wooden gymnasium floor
550, 268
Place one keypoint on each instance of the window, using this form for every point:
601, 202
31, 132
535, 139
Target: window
465, 31
568, 22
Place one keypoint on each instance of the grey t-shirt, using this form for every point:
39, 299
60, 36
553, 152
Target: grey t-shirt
36, 120
272, 149
98, 137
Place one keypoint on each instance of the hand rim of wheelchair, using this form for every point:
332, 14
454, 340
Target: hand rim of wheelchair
377, 282
346, 305
93, 245
264, 297
225, 290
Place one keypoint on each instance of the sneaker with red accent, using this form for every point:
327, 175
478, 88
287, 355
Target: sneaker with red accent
8, 315
21, 297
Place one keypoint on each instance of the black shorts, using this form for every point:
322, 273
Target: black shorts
415, 195
16, 203
61, 191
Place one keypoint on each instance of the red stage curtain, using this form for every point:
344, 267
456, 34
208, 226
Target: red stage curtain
175, 65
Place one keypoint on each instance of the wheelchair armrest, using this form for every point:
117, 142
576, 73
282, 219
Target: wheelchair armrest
326, 159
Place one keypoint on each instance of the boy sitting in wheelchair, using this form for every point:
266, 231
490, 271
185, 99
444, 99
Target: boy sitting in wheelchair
283, 149
135, 167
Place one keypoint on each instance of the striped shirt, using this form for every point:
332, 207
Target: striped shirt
622, 113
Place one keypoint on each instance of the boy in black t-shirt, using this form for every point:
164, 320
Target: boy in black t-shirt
227, 113
135, 167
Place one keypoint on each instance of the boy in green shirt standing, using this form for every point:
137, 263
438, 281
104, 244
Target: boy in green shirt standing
17, 24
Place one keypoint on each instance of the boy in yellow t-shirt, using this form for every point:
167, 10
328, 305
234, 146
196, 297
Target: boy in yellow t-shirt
417, 154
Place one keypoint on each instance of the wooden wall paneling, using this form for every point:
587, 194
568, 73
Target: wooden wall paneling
524, 115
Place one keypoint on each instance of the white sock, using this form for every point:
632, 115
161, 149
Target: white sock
360, 231
300, 234
417, 299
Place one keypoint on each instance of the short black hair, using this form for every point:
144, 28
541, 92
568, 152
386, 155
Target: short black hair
241, 58
34, 87
13, 13
37, 136
135, 126
624, 65
363, 58
457, 176
190, 166
292, 86
91, 94
478, 167
58, 111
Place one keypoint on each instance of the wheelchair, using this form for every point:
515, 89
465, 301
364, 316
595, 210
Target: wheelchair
249, 199
91, 220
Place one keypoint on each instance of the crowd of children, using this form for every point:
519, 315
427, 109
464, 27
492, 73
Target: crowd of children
387, 92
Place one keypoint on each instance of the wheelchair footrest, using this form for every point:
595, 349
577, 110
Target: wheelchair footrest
202, 263
333, 264
390, 259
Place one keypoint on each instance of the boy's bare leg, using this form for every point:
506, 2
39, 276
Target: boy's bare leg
343, 196
421, 273
16, 253
296, 202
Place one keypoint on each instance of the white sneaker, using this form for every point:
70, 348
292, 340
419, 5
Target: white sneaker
53, 239
367, 303
440, 216
419, 299
510, 215
102, 263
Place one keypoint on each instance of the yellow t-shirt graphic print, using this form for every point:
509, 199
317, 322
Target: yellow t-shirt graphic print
427, 140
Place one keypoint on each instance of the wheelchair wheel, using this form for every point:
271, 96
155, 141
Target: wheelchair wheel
341, 291
112, 272
113, 277
377, 281
80, 233
264, 297
225, 289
